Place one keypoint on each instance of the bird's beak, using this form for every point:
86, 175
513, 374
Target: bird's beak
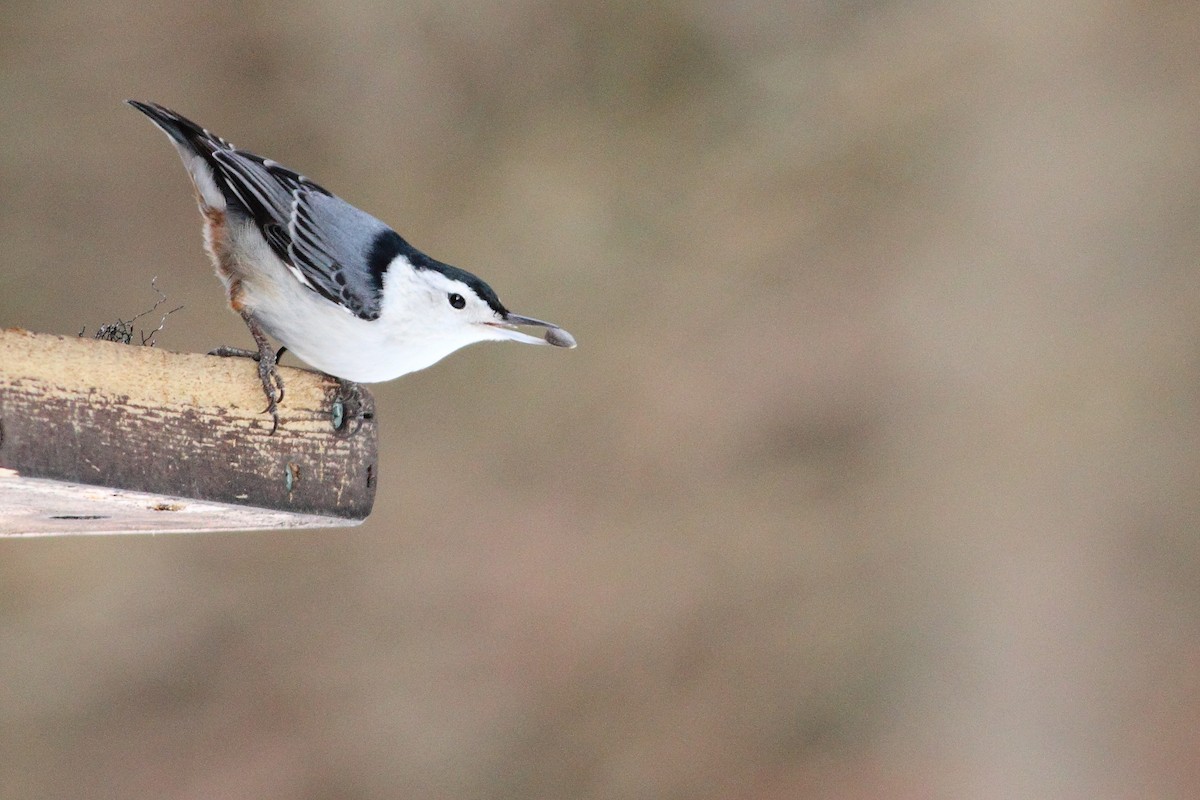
554, 334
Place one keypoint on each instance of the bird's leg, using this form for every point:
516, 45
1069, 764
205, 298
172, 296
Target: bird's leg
268, 373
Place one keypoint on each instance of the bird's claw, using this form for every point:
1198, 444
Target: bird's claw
268, 374
350, 396
272, 383
234, 352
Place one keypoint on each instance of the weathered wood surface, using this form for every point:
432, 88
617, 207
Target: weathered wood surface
38, 507
185, 427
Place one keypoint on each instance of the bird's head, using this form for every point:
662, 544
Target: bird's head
451, 308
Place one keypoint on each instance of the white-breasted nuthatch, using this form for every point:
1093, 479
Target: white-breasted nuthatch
331, 283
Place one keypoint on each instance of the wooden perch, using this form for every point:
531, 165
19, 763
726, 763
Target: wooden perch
102, 437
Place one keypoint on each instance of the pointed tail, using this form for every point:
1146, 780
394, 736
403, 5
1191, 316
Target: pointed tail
196, 147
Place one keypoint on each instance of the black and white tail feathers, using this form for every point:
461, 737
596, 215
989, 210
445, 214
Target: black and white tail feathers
181, 129
196, 147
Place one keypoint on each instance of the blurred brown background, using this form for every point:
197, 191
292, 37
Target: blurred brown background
875, 473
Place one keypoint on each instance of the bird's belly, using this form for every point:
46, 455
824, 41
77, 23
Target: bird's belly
337, 342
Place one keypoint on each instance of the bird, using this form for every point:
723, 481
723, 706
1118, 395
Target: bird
329, 282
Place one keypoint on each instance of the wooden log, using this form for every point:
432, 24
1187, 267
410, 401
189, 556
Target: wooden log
180, 439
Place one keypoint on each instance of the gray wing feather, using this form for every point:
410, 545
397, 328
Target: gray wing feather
331, 242
323, 239
251, 181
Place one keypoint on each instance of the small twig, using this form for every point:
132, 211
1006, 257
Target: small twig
122, 330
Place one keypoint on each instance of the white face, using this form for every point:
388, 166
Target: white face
458, 313
427, 315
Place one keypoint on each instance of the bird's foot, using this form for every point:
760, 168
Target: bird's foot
348, 404
268, 371
234, 352
241, 352
272, 384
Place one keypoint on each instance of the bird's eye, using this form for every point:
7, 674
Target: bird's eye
457, 300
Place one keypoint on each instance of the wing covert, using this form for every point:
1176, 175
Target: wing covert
331, 242
322, 238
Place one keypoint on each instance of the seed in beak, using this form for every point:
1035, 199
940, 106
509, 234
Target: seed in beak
559, 338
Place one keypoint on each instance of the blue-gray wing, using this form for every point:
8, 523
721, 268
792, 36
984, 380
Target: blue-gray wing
333, 245
328, 244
